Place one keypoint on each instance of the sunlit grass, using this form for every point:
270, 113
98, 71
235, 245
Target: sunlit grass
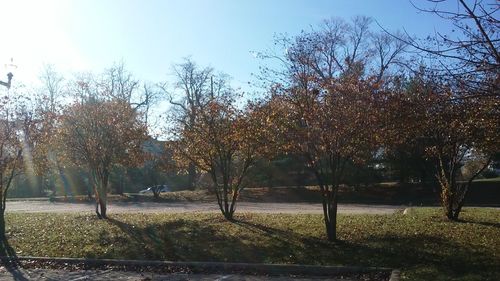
422, 244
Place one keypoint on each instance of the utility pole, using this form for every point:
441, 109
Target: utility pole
9, 79
212, 87
9, 75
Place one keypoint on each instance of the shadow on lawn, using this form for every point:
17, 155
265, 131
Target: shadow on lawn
9, 260
483, 223
438, 256
180, 240
245, 240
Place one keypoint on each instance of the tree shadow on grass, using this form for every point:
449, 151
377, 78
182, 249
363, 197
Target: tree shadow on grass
245, 240
435, 258
430, 255
287, 237
483, 223
180, 240
9, 260
290, 247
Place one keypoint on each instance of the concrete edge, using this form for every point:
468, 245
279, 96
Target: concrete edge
395, 275
262, 268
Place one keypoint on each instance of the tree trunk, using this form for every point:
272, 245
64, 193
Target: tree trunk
227, 205
39, 184
156, 190
227, 208
232, 208
222, 201
191, 176
64, 179
461, 200
103, 204
156, 194
449, 209
447, 199
331, 214
101, 197
329, 203
229, 215
96, 196
121, 186
89, 194
448, 188
2, 225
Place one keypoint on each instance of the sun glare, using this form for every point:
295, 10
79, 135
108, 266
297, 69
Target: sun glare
34, 34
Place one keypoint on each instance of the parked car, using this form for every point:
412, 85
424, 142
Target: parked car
159, 188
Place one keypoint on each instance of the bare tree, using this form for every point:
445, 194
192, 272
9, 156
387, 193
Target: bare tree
194, 87
389, 52
52, 87
469, 57
115, 82
119, 83
333, 49
149, 98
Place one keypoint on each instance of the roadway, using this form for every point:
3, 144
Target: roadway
188, 207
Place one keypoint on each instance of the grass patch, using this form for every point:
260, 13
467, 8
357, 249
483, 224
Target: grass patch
422, 244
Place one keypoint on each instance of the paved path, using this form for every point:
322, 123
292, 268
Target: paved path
182, 207
49, 274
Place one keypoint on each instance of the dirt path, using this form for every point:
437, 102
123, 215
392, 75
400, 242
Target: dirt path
182, 207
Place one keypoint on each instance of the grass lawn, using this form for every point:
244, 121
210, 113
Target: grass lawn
421, 243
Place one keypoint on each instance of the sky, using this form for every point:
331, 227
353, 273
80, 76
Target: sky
151, 35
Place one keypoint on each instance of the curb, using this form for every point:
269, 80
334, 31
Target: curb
395, 275
261, 268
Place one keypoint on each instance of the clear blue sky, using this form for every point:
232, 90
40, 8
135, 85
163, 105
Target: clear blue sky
150, 35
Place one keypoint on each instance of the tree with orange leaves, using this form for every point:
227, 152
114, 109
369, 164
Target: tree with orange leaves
224, 142
18, 128
97, 134
459, 135
324, 106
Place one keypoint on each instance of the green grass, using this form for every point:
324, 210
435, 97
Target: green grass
421, 243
